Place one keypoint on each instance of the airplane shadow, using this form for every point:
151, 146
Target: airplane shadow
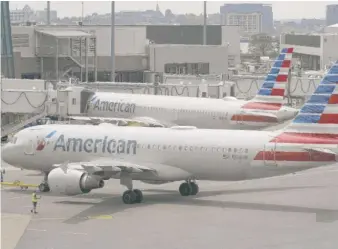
114, 204
111, 204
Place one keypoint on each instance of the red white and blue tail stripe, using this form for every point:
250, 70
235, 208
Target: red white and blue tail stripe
271, 94
312, 138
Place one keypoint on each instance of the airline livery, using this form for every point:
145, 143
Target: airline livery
79, 158
265, 109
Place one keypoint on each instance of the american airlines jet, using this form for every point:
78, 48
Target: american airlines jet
265, 109
79, 158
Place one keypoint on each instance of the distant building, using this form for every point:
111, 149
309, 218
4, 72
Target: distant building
21, 16
314, 51
41, 15
331, 14
252, 18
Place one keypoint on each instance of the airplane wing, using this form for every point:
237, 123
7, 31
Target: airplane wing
137, 121
111, 168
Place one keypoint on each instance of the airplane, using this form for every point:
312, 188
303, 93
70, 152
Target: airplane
79, 158
264, 110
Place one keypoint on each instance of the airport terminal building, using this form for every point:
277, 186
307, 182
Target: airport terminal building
60, 52
314, 51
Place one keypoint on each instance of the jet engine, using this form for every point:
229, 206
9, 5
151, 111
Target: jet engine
73, 182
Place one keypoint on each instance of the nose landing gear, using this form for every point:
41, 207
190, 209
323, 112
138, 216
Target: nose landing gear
44, 187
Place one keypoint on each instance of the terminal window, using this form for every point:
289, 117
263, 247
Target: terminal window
187, 68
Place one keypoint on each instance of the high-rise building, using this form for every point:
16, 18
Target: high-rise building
331, 14
252, 18
21, 16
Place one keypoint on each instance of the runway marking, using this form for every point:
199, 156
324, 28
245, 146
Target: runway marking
36, 230
18, 197
102, 217
72, 233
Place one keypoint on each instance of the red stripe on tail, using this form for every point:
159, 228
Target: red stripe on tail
328, 119
306, 138
277, 92
333, 99
286, 63
282, 78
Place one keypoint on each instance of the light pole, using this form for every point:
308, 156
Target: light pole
112, 42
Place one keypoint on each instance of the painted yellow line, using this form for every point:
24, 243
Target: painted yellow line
101, 217
19, 184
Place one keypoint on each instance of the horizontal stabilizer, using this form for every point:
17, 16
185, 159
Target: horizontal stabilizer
320, 150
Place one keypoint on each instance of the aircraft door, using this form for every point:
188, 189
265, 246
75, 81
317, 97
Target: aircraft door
239, 119
270, 154
29, 148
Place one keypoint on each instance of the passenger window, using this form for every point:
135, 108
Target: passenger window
229, 150
186, 148
74, 101
225, 150
180, 148
191, 148
149, 147
235, 150
164, 147
246, 150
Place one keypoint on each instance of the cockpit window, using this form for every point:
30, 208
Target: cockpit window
12, 139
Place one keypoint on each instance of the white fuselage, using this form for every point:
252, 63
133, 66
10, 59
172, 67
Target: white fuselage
205, 154
174, 110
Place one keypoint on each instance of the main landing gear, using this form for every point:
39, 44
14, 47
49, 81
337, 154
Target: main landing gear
188, 188
44, 187
131, 195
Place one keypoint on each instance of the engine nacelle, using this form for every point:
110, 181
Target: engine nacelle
73, 182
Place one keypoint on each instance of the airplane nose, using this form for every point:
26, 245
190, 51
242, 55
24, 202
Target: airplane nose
6, 153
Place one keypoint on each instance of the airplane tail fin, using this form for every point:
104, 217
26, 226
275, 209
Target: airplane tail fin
311, 139
320, 112
271, 94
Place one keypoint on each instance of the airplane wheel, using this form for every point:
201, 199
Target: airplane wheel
139, 196
43, 187
129, 197
194, 188
185, 189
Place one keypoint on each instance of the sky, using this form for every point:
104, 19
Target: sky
281, 9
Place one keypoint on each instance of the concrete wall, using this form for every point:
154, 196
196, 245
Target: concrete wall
22, 101
23, 84
231, 36
327, 52
330, 49
216, 56
26, 51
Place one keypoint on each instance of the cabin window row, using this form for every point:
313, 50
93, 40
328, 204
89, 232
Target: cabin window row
192, 148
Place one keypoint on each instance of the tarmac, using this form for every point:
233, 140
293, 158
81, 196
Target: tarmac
296, 211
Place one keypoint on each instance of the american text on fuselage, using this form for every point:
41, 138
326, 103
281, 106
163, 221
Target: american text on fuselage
90, 145
112, 106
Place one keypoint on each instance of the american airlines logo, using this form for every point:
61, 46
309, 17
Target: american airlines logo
112, 106
91, 145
